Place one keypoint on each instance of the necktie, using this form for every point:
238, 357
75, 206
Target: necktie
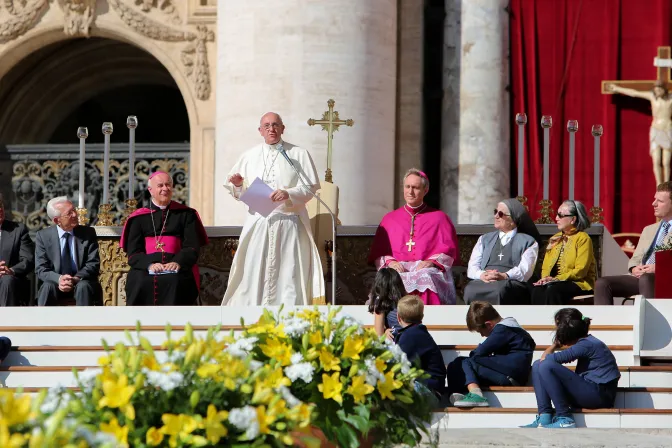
664, 229
66, 257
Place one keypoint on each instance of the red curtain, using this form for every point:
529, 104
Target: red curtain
560, 53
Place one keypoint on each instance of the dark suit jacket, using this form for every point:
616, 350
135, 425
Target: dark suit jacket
16, 248
48, 254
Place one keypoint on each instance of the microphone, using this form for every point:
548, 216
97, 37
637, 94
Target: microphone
280, 148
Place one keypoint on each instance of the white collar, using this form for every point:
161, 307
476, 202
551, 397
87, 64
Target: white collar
275, 146
505, 237
62, 232
415, 208
162, 207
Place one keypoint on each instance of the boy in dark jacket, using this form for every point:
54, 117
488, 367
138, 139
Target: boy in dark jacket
418, 344
503, 359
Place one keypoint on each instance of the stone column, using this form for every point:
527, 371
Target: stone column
291, 57
483, 177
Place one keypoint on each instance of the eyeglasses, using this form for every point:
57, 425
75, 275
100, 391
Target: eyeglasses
268, 126
560, 215
500, 214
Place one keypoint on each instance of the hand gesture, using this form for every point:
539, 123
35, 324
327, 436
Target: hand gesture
4, 270
389, 334
279, 196
156, 267
236, 180
545, 280
65, 283
424, 265
637, 271
649, 269
396, 266
172, 266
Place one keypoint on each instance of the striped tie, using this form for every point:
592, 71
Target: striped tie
665, 227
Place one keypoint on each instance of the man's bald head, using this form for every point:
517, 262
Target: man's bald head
271, 127
160, 187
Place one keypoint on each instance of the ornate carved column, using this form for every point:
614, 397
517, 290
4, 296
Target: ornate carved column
291, 58
483, 170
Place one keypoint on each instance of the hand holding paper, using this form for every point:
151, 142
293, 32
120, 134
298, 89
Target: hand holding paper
258, 198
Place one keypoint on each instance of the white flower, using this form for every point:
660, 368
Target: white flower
373, 375
54, 399
246, 420
242, 347
88, 377
295, 326
288, 397
296, 358
164, 380
303, 370
255, 365
400, 357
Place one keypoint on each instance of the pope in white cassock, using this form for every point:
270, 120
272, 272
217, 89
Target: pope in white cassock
277, 261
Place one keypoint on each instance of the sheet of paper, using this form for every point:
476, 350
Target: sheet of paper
257, 197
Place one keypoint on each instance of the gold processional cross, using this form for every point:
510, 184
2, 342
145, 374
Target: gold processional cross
662, 62
330, 122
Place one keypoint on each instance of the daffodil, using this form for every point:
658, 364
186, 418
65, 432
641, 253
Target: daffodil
278, 350
328, 361
353, 347
214, 429
119, 432
359, 389
153, 437
331, 387
390, 384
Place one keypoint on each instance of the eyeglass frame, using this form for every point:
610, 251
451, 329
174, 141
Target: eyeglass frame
269, 126
500, 214
561, 215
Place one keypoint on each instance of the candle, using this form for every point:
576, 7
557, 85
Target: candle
546, 123
132, 123
597, 133
521, 120
572, 128
107, 130
82, 133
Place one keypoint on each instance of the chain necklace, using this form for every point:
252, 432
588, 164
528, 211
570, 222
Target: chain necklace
158, 245
410, 243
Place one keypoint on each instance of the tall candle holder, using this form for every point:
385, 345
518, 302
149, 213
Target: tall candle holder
546, 204
105, 215
131, 206
104, 210
521, 121
82, 216
82, 212
131, 203
596, 211
572, 128
545, 212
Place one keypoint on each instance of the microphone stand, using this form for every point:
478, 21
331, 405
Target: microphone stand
333, 223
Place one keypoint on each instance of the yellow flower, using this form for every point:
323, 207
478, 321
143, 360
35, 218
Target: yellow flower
214, 430
14, 409
308, 314
10, 441
117, 394
267, 325
151, 363
353, 347
208, 370
385, 388
301, 414
315, 338
174, 425
359, 389
119, 432
331, 387
381, 365
328, 361
264, 420
104, 361
154, 437
275, 349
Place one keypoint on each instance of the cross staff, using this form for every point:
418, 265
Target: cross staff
662, 62
330, 122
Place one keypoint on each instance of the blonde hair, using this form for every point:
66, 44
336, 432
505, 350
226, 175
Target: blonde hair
411, 309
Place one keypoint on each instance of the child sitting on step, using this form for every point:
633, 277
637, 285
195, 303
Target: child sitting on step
418, 344
593, 384
388, 288
503, 359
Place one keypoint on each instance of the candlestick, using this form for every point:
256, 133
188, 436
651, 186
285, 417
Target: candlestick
546, 123
107, 130
572, 128
521, 120
82, 133
132, 123
596, 210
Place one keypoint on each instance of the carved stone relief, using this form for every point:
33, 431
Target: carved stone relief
78, 16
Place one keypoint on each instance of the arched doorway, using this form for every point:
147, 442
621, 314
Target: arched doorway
83, 82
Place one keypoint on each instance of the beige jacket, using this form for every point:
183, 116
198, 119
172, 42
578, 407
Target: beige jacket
643, 245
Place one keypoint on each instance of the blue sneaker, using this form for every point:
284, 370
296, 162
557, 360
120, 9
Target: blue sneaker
540, 420
561, 422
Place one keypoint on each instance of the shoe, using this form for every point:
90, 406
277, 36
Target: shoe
472, 401
561, 422
456, 397
540, 420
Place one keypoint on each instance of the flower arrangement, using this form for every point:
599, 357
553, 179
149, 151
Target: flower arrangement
270, 386
666, 244
360, 385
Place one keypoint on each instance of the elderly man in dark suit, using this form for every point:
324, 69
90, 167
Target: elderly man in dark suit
17, 260
66, 258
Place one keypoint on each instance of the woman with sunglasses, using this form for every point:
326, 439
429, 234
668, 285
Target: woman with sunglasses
503, 261
569, 267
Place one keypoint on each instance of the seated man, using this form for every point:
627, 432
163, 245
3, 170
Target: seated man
420, 243
17, 259
66, 258
642, 265
163, 243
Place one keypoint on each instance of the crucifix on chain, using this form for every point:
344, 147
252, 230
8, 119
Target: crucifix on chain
330, 122
410, 243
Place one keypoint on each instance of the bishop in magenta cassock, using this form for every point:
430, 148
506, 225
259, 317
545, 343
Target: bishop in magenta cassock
163, 244
420, 243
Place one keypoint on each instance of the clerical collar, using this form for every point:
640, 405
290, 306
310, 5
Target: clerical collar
160, 207
276, 145
415, 208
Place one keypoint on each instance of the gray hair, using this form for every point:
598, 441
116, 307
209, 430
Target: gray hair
420, 174
578, 210
51, 206
274, 113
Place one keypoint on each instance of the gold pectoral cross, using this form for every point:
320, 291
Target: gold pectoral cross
159, 246
410, 243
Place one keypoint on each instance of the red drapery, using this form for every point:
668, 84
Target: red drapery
560, 53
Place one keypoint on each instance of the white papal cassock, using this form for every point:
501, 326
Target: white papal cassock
277, 261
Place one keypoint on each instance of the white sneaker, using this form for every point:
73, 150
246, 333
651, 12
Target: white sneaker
456, 397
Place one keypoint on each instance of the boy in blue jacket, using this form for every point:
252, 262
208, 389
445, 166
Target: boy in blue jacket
503, 359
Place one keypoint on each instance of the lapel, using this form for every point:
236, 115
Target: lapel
5, 244
652, 243
79, 245
55, 248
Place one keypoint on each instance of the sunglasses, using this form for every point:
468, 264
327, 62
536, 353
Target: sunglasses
560, 215
500, 214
